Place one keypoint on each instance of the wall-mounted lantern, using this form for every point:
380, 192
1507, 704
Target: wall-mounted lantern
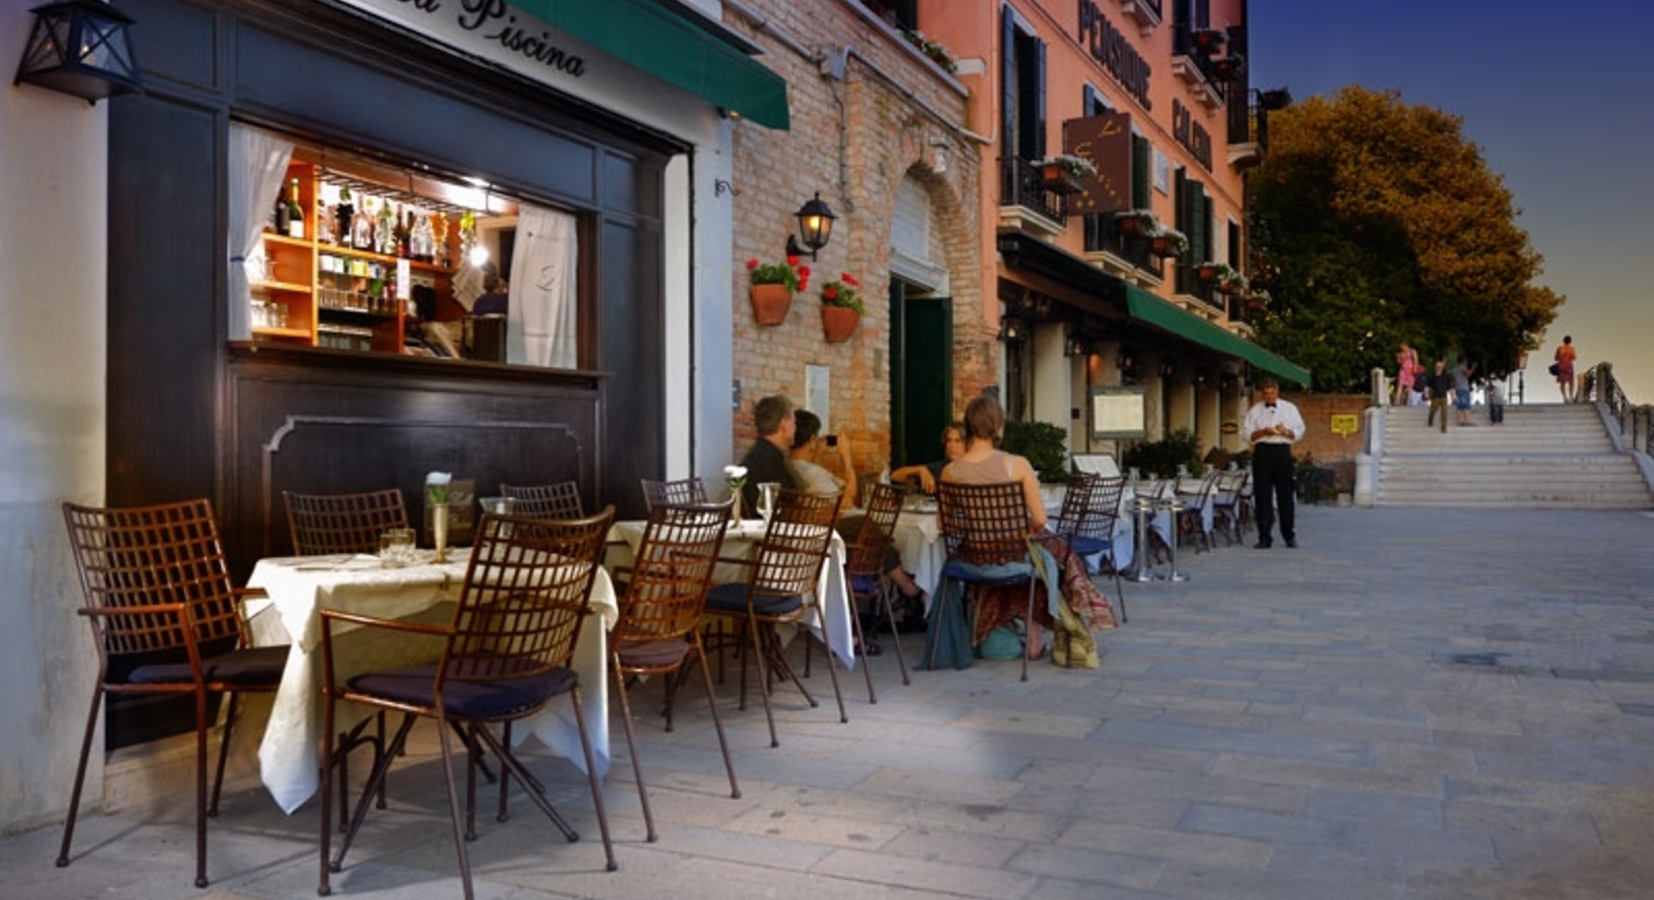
80, 48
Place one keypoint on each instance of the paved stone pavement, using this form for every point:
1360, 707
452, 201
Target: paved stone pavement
1413, 704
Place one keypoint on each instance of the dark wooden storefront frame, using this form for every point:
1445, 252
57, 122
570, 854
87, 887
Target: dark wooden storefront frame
192, 415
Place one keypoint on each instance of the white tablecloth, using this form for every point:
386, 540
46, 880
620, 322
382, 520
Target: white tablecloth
300, 587
738, 542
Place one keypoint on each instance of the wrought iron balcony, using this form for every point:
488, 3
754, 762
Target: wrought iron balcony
1021, 184
1103, 234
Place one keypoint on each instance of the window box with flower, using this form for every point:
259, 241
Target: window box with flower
1061, 174
1137, 222
1168, 242
773, 285
841, 307
1221, 276
938, 54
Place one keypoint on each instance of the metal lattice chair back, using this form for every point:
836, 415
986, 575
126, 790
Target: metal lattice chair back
152, 555
667, 583
1078, 517
883, 504
342, 523
545, 501
678, 492
526, 591
984, 524
795, 544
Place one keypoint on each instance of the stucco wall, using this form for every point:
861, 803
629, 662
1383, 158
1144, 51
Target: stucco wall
52, 265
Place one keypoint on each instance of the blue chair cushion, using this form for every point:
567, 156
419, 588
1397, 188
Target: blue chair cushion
864, 584
468, 699
1086, 546
252, 667
1004, 573
732, 599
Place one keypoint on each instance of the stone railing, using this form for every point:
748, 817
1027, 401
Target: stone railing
1600, 386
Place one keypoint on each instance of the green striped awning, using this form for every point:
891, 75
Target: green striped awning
674, 47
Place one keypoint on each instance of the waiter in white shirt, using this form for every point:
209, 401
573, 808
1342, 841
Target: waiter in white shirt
1273, 425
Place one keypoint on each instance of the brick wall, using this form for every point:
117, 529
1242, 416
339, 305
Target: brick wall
1319, 440
853, 140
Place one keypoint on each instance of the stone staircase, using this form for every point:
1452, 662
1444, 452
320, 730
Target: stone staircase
1545, 456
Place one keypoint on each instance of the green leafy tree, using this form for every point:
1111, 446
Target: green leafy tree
1374, 222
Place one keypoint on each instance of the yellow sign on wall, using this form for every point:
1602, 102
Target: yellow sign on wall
1345, 424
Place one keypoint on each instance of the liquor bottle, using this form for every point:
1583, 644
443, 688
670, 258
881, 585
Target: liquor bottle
295, 213
324, 222
281, 216
401, 232
345, 215
384, 230
361, 227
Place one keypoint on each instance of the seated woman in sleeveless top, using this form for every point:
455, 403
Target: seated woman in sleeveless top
984, 463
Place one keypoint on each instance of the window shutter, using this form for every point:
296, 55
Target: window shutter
1008, 82
1142, 172
1039, 99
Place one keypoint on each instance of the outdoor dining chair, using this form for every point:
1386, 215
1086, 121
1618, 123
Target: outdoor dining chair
780, 588
866, 563
507, 652
1191, 512
985, 533
545, 501
1228, 502
660, 616
342, 523
324, 524
682, 490
1090, 508
165, 620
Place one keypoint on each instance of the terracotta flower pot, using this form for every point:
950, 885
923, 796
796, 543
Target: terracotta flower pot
770, 303
838, 323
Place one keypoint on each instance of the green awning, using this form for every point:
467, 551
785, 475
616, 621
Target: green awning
1147, 307
674, 48
1020, 250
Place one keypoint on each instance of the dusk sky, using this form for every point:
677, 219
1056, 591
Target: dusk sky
1556, 97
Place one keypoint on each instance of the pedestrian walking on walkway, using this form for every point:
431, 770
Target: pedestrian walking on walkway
1564, 370
1461, 390
1439, 383
1273, 425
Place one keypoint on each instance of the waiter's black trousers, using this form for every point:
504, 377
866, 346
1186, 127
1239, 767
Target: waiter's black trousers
1273, 486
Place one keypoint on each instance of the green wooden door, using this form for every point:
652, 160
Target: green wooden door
921, 377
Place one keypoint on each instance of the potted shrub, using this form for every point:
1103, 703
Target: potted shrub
841, 307
1045, 445
772, 288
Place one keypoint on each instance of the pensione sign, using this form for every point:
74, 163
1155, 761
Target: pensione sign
1109, 47
1105, 140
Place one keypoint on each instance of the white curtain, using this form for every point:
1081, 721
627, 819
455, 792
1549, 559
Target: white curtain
258, 167
544, 314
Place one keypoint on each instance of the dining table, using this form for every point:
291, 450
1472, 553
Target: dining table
740, 541
298, 588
